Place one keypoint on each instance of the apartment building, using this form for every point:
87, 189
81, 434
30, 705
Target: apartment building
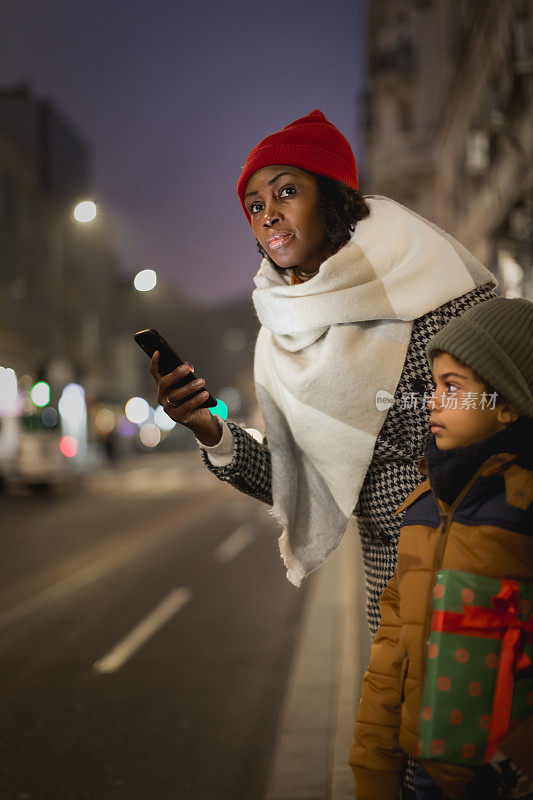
449, 122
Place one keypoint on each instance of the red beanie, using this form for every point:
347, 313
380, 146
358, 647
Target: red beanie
311, 143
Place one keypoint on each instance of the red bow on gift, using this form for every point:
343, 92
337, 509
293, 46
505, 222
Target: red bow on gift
499, 622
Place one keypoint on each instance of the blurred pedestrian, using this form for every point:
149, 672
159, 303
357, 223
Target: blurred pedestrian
349, 291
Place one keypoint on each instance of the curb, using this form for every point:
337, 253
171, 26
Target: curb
317, 719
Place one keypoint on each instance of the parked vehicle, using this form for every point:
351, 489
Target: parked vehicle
30, 454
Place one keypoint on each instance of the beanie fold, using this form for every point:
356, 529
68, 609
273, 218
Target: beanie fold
495, 340
311, 143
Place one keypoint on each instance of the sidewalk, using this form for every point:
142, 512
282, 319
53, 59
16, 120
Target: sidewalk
318, 715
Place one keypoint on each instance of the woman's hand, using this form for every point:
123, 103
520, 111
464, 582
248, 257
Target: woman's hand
176, 404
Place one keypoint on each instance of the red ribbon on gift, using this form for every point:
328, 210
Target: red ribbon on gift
499, 622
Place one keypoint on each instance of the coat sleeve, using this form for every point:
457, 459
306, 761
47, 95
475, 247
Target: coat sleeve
375, 756
250, 470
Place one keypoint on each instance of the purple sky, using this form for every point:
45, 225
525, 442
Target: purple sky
171, 96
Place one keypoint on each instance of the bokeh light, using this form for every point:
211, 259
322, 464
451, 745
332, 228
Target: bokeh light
85, 211
40, 394
145, 280
137, 410
72, 403
25, 383
104, 421
126, 428
8, 385
68, 446
234, 340
49, 417
150, 435
162, 420
232, 399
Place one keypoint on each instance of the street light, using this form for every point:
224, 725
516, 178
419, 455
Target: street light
145, 280
85, 211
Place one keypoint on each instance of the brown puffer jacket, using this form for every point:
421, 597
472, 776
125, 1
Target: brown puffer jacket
488, 530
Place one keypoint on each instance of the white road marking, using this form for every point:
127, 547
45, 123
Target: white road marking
146, 628
123, 550
234, 544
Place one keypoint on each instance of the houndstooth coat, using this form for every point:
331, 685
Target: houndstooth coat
393, 471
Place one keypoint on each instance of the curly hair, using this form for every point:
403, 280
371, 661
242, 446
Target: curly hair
341, 207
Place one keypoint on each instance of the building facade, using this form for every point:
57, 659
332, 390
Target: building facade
68, 313
449, 123
57, 275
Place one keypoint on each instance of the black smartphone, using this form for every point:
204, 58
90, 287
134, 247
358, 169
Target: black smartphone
150, 341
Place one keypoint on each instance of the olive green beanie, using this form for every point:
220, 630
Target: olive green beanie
495, 339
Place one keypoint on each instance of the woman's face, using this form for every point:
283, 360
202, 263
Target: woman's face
284, 207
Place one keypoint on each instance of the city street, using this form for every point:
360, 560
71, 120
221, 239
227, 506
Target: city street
147, 630
324, 257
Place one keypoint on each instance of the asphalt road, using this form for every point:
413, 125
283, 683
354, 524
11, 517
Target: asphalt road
146, 632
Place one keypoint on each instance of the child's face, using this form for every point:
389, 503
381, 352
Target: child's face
462, 412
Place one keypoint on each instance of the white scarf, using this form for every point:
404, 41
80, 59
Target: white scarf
326, 347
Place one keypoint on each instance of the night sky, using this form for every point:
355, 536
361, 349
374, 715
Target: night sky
171, 96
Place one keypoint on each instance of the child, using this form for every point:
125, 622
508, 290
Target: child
474, 514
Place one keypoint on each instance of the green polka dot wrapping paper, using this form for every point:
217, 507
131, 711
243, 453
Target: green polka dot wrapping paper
479, 674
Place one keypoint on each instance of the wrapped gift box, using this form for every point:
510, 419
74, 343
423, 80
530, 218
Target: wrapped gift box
479, 678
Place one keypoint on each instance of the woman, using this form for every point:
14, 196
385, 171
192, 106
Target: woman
348, 293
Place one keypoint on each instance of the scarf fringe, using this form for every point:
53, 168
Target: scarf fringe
296, 572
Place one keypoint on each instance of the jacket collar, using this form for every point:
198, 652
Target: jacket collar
421, 489
492, 466
519, 482
509, 452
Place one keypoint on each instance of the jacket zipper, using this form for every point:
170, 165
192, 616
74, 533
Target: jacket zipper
446, 516
444, 527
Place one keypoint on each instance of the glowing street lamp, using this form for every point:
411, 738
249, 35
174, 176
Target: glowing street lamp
85, 211
145, 280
